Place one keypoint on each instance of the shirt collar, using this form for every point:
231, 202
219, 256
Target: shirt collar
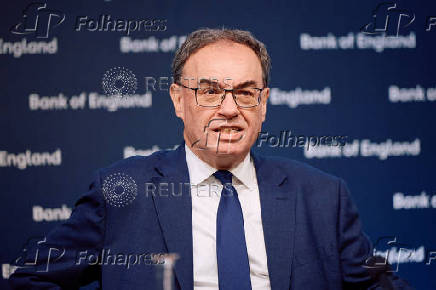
245, 172
200, 170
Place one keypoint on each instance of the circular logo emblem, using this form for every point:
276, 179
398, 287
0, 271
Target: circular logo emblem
119, 82
119, 189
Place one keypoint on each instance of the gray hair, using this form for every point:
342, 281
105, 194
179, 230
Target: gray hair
203, 37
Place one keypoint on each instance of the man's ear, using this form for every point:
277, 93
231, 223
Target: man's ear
176, 97
264, 102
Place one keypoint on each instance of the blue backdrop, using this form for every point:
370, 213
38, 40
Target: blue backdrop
359, 71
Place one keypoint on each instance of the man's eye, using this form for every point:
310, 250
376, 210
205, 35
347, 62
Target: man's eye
245, 93
210, 91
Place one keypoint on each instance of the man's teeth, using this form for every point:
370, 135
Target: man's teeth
229, 130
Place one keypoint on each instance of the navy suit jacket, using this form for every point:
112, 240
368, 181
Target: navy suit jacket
312, 232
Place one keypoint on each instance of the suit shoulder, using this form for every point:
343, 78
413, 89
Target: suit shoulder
313, 185
136, 163
301, 171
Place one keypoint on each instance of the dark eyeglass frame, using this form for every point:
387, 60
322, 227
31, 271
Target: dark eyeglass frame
224, 96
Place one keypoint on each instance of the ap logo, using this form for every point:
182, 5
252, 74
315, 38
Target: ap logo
38, 20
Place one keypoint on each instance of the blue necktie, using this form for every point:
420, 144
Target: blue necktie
231, 250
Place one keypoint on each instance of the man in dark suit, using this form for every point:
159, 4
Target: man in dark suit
236, 220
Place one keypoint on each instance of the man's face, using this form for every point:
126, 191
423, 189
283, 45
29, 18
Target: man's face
227, 131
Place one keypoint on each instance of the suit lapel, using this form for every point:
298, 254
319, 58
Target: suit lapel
173, 208
278, 202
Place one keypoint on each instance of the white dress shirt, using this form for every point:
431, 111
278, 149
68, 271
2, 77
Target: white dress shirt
206, 192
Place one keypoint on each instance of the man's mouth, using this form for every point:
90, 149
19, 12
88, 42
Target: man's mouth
228, 130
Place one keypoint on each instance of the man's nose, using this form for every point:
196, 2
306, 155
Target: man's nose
228, 107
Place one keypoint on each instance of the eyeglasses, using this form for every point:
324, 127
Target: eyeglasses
212, 96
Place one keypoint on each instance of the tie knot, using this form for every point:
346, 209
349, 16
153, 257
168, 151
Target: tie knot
224, 176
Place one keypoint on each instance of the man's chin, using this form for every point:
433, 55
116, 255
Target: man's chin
230, 149
223, 148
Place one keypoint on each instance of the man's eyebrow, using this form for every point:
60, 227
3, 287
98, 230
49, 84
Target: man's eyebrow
209, 82
238, 86
245, 84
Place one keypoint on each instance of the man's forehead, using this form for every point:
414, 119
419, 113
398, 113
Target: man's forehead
224, 46
225, 62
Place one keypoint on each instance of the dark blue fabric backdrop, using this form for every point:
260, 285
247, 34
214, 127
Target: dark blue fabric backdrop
336, 71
